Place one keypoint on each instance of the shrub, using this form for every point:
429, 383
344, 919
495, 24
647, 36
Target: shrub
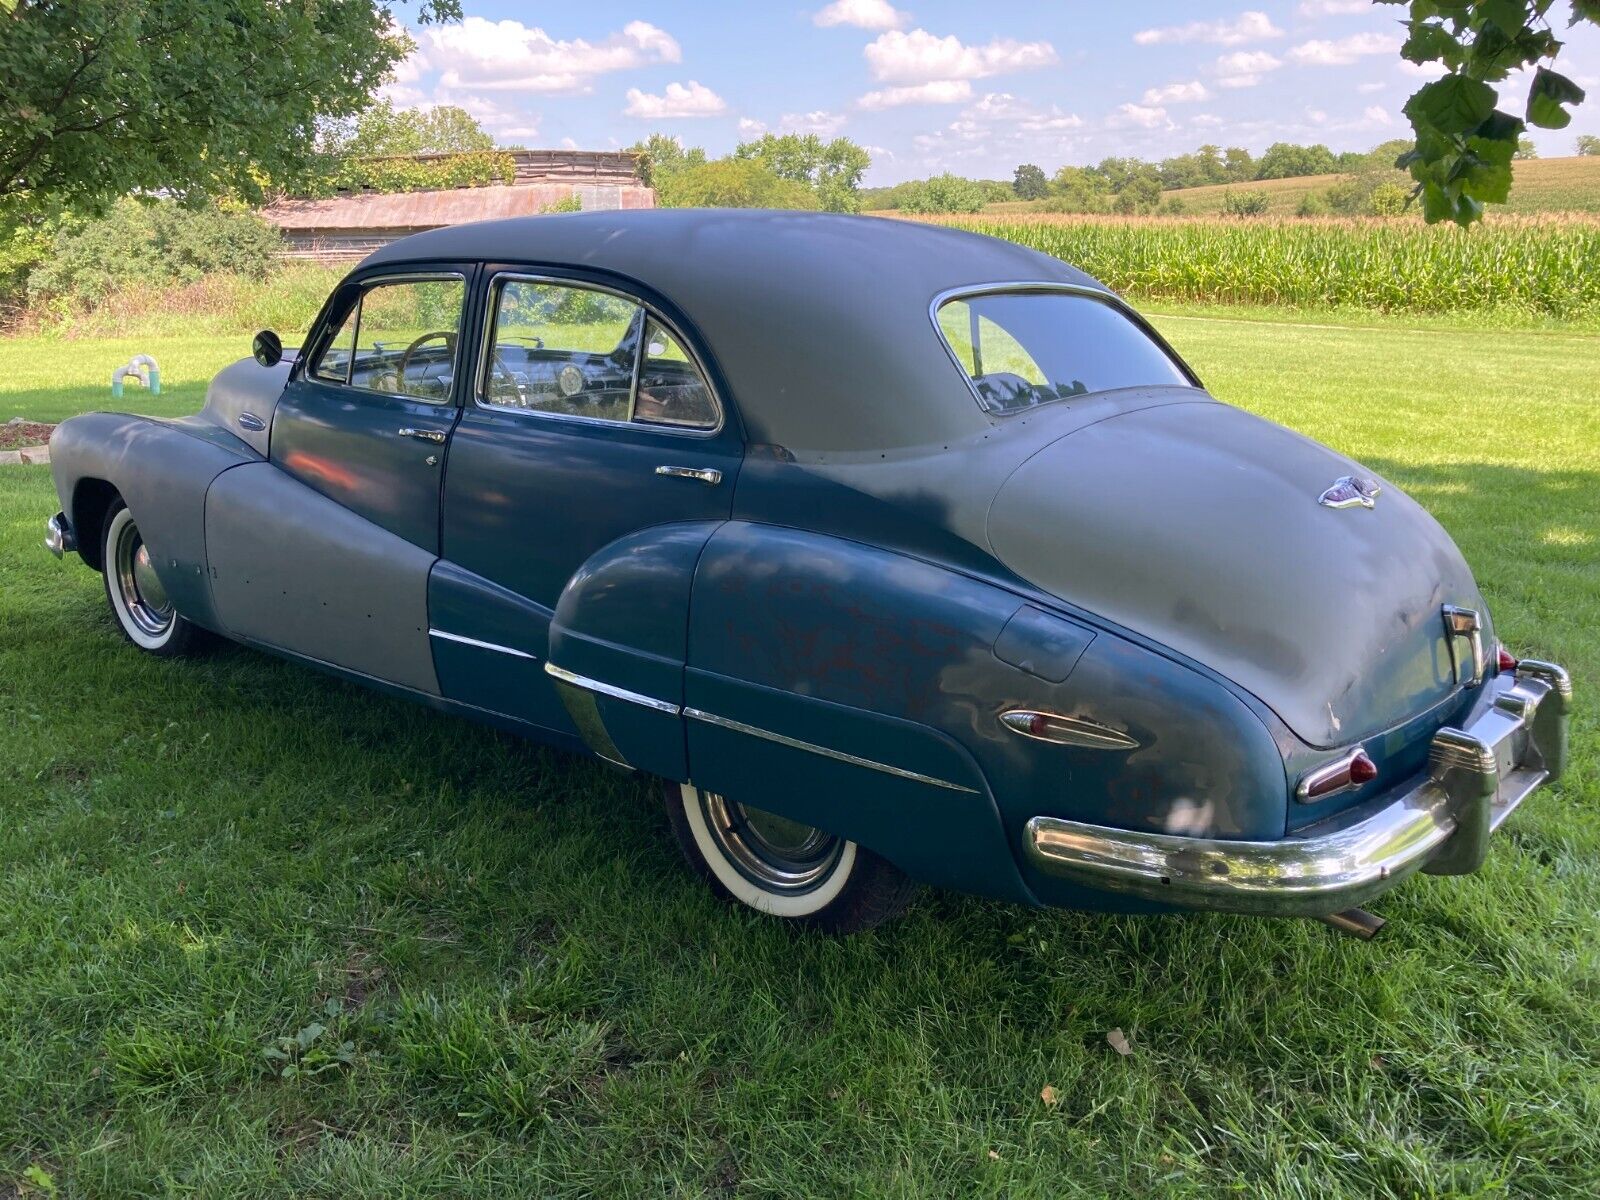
478, 168
732, 183
945, 193
1388, 200
152, 243
1245, 204
1173, 207
569, 203
1312, 204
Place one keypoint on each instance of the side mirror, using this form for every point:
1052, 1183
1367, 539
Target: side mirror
267, 348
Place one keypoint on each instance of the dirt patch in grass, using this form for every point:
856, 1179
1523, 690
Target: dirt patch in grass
25, 433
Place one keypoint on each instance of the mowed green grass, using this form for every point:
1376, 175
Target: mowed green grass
522, 992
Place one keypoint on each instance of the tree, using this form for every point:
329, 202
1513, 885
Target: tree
732, 183
189, 97
1140, 192
1465, 142
1238, 164
1525, 149
661, 155
945, 193
1079, 189
1588, 144
1030, 182
384, 130
832, 170
1285, 160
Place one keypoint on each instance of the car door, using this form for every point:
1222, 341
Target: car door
367, 419
591, 421
325, 550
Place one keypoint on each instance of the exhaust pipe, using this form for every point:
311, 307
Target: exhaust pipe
1357, 922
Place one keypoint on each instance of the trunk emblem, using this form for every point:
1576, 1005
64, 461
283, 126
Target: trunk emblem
1350, 490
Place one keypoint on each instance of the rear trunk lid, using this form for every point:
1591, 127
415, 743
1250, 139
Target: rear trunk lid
1199, 526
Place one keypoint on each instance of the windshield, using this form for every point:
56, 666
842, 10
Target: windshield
1021, 349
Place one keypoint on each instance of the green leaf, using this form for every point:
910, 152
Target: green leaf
1453, 104
1546, 97
1502, 127
1585, 10
1430, 42
1484, 171
1509, 16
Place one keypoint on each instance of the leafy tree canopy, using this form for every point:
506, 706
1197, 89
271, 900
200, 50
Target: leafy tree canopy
731, 183
1030, 182
190, 97
830, 169
1284, 160
384, 130
1588, 144
1464, 141
661, 154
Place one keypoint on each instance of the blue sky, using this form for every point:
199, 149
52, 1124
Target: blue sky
930, 85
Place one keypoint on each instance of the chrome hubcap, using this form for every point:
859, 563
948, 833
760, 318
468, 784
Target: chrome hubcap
141, 590
774, 852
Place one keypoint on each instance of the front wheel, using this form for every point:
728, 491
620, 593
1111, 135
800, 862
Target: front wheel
138, 600
782, 867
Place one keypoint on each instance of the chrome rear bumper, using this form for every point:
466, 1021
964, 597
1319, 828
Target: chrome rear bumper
1476, 776
58, 536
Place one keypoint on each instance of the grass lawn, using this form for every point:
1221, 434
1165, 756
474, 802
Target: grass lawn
503, 983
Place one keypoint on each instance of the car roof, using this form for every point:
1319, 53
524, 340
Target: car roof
819, 322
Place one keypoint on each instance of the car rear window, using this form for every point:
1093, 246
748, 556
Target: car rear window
1025, 348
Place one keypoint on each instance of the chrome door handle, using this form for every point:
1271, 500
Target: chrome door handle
708, 475
426, 435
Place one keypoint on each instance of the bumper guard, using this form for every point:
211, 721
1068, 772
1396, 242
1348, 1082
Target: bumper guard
58, 536
1476, 777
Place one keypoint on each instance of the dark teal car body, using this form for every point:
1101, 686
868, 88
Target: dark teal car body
788, 540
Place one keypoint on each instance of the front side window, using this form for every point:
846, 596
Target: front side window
577, 351
1021, 349
400, 338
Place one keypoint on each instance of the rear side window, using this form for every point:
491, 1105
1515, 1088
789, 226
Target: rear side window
574, 351
1022, 349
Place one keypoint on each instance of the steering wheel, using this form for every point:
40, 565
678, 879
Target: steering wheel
448, 337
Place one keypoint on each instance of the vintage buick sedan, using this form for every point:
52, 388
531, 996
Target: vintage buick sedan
900, 555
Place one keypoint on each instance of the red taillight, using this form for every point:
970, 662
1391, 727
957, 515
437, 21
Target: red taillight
1352, 771
1362, 769
1507, 661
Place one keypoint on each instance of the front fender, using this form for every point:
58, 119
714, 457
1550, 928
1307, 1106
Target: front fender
162, 469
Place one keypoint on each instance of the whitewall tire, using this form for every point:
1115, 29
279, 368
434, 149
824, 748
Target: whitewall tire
784, 868
138, 599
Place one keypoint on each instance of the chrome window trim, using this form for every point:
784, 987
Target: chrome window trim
610, 689
1023, 286
824, 751
376, 281
447, 636
491, 313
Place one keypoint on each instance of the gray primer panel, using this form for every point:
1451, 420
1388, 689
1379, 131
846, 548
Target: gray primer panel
295, 570
246, 387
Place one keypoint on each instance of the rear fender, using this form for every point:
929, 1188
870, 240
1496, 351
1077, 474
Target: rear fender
162, 470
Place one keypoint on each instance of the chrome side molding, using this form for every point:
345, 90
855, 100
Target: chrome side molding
1066, 731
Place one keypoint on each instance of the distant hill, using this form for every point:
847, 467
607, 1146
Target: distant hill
1543, 185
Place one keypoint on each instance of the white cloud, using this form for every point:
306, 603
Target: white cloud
863, 14
502, 55
750, 127
1317, 116
1205, 120
1344, 51
679, 100
1427, 70
823, 124
1378, 115
1004, 108
1366, 89
1244, 68
920, 57
568, 143
1177, 93
1140, 115
940, 91
1333, 8
506, 124
1246, 27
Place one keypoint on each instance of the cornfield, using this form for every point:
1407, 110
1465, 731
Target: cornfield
1549, 267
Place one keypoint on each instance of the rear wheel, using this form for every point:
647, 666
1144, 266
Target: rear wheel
138, 598
782, 867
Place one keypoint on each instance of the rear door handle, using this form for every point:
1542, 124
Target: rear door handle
426, 435
706, 475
